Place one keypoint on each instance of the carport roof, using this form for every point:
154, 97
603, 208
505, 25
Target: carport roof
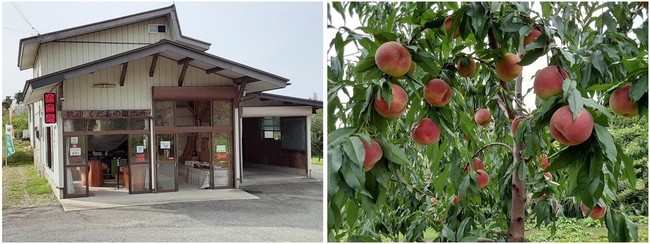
257, 80
287, 99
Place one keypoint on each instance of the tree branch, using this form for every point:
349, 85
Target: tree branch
492, 145
415, 35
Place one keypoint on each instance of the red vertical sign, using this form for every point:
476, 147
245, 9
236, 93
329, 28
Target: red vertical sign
50, 108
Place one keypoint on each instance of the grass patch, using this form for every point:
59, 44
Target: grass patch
315, 160
25, 188
580, 230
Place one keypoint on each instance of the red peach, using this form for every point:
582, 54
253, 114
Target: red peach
507, 68
548, 82
425, 132
373, 154
482, 179
437, 93
397, 106
393, 59
483, 117
620, 102
466, 70
569, 132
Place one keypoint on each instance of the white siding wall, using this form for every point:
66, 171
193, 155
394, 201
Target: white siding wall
55, 56
136, 92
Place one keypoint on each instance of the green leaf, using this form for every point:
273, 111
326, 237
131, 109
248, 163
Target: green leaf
606, 141
573, 97
522, 170
355, 178
568, 56
632, 229
352, 211
339, 135
366, 64
598, 60
464, 185
368, 206
530, 56
355, 150
629, 167
393, 152
440, 181
639, 87
593, 104
334, 159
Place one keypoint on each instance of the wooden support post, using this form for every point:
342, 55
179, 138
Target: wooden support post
152, 69
123, 75
185, 62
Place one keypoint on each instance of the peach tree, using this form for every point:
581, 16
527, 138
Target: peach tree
429, 130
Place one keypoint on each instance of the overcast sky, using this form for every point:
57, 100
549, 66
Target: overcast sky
285, 39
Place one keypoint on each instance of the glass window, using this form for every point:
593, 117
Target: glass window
74, 125
138, 124
270, 127
164, 113
108, 124
165, 147
222, 159
222, 112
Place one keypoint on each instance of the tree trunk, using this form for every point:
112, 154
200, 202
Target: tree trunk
518, 211
518, 214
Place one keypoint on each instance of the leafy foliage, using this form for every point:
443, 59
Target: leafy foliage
393, 200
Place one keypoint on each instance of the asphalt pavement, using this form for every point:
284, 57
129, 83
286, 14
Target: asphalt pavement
291, 212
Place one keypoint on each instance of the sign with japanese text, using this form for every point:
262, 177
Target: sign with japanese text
105, 114
49, 100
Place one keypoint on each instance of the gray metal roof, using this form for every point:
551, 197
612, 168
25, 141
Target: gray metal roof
287, 99
29, 46
258, 80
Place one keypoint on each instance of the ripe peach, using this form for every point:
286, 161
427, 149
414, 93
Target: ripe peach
532, 37
456, 200
373, 154
483, 117
482, 179
548, 176
597, 211
507, 68
466, 70
437, 93
569, 132
544, 161
425, 132
397, 106
548, 82
410, 72
477, 164
449, 21
620, 102
393, 59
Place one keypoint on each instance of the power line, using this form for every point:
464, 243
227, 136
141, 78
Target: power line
24, 18
18, 30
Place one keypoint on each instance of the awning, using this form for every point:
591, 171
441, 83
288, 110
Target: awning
256, 80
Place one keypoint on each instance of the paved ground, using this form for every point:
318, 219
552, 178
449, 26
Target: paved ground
284, 212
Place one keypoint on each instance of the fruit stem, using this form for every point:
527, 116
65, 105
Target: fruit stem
492, 145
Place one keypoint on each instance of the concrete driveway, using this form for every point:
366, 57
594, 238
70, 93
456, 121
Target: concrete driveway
285, 212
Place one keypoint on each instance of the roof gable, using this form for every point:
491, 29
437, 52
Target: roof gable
29, 46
